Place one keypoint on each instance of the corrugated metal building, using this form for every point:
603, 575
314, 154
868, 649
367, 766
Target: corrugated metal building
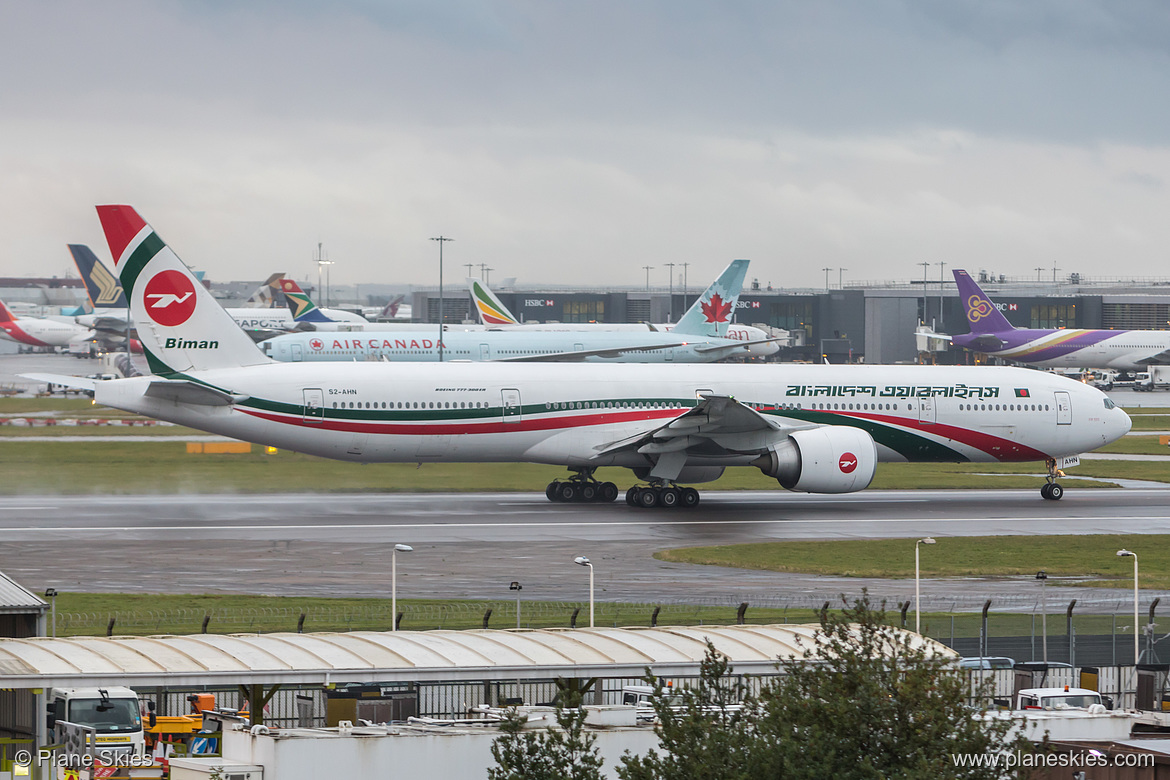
22, 615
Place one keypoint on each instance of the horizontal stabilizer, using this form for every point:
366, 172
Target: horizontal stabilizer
732, 348
79, 382
184, 392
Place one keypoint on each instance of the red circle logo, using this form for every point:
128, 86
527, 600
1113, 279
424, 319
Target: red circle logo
316, 344
169, 298
847, 462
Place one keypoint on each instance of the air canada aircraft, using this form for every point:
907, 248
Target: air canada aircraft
695, 339
992, 334
815, 428
496, 316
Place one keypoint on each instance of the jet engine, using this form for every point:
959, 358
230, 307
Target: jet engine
829, 459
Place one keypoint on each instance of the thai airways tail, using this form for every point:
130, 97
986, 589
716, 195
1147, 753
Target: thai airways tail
711, 313
982, 314
180, 324
491, 309
302, 307
101, 286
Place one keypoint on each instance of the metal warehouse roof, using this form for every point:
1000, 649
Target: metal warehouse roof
413, 656
15, 598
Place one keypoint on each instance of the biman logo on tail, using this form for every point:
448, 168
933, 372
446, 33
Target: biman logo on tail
169, 298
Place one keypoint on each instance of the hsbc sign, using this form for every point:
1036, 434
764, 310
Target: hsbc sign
747, 304
537, 303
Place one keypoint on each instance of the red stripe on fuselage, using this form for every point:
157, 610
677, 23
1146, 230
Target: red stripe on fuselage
14, 330
977, 439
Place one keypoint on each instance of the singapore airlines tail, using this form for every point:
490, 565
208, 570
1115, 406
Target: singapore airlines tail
181, 326
982, 314
711, 313
491, 309
101, 285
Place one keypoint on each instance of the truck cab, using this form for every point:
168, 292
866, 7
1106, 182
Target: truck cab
113, 712
1065, 698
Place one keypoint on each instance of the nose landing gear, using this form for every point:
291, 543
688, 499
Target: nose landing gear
669, 496
1051, 490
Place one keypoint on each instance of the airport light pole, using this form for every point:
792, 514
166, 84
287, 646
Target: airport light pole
826, 270
1043, 577
670, 316
648, 269
1136, 632
917, 595
442, 240
684, 266
581, 560
51, 594
394, 582
516, 586
941, 283
925, 315
840, 282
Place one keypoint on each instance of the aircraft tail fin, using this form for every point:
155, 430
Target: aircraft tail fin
711, 313
302, 307
491, 309
5, 315
266, 294
101, 286
180, 324
390, 310
982, 314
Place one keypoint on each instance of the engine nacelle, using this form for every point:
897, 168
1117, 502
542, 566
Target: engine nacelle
690, 475
829, 459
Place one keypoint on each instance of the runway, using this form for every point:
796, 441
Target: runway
473, 545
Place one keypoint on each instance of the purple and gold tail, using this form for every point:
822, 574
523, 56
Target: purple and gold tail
982, 314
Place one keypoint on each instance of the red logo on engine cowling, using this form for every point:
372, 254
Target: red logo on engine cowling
847, 463
169, 298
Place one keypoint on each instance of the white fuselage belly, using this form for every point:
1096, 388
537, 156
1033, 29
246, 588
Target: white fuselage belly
611, 403
1132, 350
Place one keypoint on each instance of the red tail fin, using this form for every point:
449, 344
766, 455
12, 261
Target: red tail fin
5, 315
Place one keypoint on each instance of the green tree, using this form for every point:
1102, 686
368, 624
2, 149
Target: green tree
563, 753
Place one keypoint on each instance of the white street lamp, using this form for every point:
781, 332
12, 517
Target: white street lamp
1043, 577
581, 560
394, 582
1123, 554
917, 597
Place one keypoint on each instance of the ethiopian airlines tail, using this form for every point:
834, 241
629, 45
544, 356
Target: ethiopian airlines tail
711, 313
101, 285
982, 314
492, 310
180, 324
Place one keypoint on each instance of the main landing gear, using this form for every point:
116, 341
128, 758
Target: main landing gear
581, 488
669, 496
1051, 490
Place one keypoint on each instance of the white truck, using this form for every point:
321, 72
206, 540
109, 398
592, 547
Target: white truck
1065, 698
113, 712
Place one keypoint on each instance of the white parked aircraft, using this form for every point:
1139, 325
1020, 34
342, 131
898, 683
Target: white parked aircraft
39, 332
496, 316
816, 428
695, 339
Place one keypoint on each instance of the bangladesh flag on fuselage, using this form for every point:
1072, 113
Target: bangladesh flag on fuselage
1022, 392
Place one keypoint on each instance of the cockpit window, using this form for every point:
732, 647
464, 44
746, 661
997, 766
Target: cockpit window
1109, 403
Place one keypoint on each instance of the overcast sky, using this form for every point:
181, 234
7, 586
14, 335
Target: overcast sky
574, 143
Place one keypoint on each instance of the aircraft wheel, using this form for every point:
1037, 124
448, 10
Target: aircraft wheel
690, 497
669, 498
632, 495
647, 498
608, 492
550, 492
1055, 492
567, 492
587, 492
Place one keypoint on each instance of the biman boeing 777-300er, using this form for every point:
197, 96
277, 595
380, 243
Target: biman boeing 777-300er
814, 428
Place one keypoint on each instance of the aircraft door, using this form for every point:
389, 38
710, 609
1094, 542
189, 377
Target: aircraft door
485, 352
926, 410
314, 410
510, 402
1063, 408
298, 353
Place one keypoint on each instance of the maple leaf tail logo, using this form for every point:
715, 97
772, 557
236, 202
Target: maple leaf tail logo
717, 310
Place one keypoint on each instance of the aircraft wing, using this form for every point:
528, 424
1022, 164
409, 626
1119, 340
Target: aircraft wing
986, 343
564, 357
717, 425
185, 392
1160, 359
731, 349
79, 382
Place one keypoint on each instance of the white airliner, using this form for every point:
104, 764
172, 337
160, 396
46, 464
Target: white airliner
40, 332
695, 339
815, 428
495, 315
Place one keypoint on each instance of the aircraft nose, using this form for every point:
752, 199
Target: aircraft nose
1120, 423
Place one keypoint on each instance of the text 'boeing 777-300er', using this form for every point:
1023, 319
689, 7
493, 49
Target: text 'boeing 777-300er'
815, 428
